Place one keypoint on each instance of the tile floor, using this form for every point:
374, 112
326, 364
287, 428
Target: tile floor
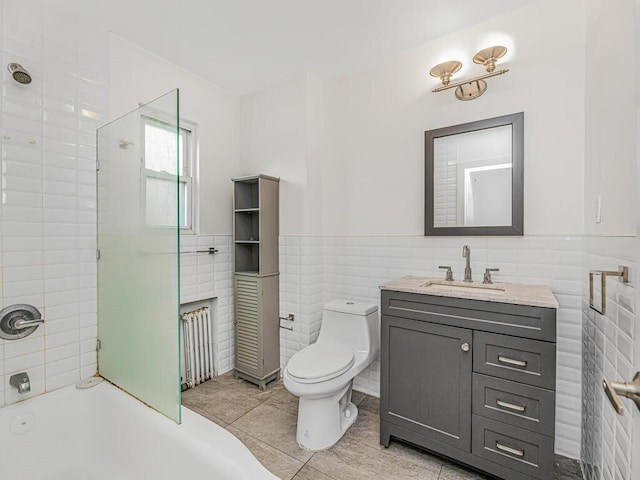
266, 423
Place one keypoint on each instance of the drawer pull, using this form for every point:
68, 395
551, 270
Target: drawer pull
509, 450
511, 361
510, 406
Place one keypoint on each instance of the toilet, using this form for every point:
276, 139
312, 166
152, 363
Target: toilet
322, 374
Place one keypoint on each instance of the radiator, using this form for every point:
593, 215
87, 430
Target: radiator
198, 348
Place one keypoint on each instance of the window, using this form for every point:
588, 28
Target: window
167, 165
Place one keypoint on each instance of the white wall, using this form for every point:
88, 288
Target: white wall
138, 76
48, 211
273, 140
47, 217
369, 172
376, 118
281, 135
611, 341
363, 158
610, 117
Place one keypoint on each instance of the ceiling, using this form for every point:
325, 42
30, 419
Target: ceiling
245, 45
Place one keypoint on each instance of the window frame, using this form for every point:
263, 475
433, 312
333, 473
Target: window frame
189, 154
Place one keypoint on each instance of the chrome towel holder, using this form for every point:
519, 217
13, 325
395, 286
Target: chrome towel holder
623, 275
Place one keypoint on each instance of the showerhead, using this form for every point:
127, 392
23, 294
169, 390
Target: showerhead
19, 73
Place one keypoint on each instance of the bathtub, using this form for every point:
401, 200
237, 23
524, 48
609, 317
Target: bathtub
102, 433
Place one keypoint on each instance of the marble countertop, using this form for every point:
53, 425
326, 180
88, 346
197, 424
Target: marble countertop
514, 293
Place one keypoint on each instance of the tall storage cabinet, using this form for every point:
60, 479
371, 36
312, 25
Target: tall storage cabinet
256, 278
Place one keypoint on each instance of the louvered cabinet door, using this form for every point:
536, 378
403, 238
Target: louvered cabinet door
247, 312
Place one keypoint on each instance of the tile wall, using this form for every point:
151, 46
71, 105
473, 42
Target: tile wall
315, 270
445, 181
301, 292
47, 214
608, 351
205, 277
48, 210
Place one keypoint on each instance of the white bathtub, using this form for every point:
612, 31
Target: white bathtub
102, 433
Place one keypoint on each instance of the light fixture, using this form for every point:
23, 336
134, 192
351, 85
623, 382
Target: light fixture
445, 70
476, 86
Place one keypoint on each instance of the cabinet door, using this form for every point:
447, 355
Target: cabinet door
426, 379
247, 320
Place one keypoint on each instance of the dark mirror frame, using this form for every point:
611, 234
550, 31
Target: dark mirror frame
516, 120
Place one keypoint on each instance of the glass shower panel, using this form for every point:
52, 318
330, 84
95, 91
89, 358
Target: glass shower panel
138, 242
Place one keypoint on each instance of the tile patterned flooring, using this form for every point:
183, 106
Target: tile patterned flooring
266, 423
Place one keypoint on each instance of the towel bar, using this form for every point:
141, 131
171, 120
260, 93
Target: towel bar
622, 273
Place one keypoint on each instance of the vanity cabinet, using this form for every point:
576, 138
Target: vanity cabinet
472, 380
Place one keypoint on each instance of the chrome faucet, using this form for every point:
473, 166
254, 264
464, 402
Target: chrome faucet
487, 274
21, 382
466, 253
449, 273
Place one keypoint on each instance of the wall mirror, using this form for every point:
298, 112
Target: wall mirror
474, 178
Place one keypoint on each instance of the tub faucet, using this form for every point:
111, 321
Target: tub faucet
21, 382
466, 253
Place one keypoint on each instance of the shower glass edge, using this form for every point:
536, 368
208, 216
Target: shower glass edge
138, 205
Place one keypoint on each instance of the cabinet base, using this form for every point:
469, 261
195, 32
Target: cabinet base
261, 382
389, 430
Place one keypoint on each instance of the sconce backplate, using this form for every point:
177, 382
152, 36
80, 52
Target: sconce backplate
471, 90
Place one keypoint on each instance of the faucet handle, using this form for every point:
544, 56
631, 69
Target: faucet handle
487, 274
449, 272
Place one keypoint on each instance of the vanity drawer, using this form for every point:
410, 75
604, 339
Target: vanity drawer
519, 359
519, 320
521, 450
523, 406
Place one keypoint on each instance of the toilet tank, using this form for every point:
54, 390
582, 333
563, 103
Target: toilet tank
352, 323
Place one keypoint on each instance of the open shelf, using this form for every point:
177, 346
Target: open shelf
247, 226
247, 257
247, 195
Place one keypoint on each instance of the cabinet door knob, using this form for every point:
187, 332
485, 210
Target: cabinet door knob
465, 347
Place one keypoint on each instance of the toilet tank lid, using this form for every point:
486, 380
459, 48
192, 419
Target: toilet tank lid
348, 306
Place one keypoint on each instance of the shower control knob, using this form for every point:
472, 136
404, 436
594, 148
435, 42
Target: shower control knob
465, 347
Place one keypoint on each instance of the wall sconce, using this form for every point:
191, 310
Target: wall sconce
476, 86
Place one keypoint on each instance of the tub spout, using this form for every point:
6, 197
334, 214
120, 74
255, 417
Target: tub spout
21, 382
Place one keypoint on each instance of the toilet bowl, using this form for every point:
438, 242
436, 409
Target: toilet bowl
322, 374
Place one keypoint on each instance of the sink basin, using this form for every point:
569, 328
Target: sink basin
463, 288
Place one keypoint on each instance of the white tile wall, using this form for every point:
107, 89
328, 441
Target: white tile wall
301, 292
47, 218
445, 181
210, 277
315, 270
608, 353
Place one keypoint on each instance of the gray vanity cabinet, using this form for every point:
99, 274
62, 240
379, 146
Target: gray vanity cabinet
443, 413
471, 380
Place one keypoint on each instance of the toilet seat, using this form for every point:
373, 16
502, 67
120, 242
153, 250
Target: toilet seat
320, 361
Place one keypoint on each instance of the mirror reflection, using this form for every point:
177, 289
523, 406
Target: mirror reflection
472, 178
